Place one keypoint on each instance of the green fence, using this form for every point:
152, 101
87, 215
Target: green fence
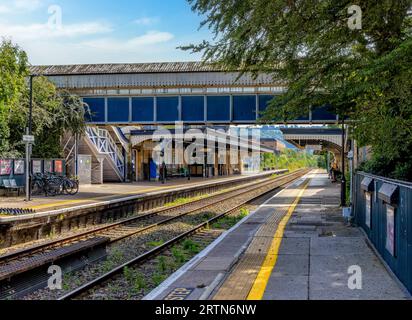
383, 208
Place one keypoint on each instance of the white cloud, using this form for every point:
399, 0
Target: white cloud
43, 31
18, 6
28, 5
149, 38
146, 21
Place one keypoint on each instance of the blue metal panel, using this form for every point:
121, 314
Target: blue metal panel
218, 108
168, 109
244, 108
97, 109
142, 109
402, 261
193, 108
118, 110
323, 113
264, 101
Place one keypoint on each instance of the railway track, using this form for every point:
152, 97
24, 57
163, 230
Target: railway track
198, 231
127, 227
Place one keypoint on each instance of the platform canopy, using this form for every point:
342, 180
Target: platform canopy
163, 93
325, 138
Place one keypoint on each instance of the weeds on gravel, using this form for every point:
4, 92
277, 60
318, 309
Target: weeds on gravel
135, 279
191, 246
116, 256
155, 244
229, 221
179, 255
162, 264
158, 278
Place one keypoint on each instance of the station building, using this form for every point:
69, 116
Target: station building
127, 101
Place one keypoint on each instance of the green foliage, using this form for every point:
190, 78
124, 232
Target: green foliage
155, 244
13, 70
289, 159
162, 265
54, 111
365, 74
191, 246
158, 278
135, 278
178, 255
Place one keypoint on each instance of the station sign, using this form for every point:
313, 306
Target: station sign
28, 139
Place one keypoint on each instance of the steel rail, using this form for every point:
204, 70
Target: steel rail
77, 237
149, 254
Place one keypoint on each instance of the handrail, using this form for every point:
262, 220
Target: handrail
105, 144
405, 184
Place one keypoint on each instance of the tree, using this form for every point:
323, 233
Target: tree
308, 46
54, 111
13, 70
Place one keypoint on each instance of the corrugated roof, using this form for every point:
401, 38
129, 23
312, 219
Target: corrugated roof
124, 68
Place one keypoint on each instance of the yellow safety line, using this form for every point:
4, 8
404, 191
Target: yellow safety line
114, 196
262, 279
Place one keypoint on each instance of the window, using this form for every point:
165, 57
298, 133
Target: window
168, 109
118, 110
193, 108
96, 106
218, 108
244, 108
142, 109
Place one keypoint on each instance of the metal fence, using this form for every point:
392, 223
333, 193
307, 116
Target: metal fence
383, 208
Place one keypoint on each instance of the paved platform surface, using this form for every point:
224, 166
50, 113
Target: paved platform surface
296, 246
110, 191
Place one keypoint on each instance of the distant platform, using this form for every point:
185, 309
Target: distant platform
96, 195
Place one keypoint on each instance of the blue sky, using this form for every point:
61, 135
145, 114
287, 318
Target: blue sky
101, 31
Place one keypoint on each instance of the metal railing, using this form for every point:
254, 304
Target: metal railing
105, 144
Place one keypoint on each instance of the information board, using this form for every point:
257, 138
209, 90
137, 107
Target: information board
390, 229
58, 166
5, 167
36, 166
368, 210
18, 167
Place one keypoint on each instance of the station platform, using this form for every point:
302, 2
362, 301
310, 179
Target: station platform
295, 246
100, 194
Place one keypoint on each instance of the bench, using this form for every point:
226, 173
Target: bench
11, 185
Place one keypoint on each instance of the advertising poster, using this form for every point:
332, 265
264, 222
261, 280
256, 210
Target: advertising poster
36, 166
5, 167
390, 230
368, 210
58, 166
18, 167
48, 166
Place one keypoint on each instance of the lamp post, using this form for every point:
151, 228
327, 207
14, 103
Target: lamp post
28, 139
343, 182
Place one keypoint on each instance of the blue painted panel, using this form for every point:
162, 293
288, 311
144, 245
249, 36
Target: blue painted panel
218, 108
244, 108
97, 111
142, 109
193, 108
323, 113
118, 109
264, 101
168, 109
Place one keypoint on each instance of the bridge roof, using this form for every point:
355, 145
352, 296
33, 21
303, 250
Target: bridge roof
311, 131
125, 68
